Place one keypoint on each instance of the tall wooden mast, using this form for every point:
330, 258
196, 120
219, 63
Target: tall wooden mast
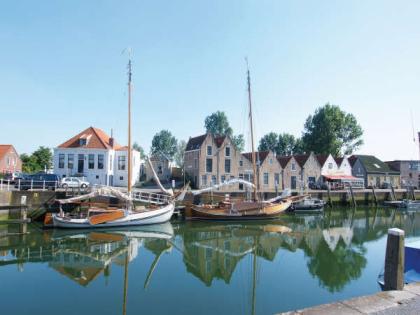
129, 129
254, 164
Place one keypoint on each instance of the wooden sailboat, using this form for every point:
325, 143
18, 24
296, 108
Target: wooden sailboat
243, 210
105, 216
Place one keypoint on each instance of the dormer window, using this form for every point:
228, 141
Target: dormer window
82, 141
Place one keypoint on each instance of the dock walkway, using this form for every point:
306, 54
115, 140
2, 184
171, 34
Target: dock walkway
405, 302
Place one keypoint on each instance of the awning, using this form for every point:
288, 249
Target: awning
342, 177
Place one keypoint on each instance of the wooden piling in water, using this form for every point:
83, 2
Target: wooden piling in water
329, 195
374, 196
352, 196
394, 260
393, 193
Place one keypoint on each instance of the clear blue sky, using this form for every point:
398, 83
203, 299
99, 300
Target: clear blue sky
62, 69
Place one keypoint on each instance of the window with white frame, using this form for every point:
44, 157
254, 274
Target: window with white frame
61, 160
121, 162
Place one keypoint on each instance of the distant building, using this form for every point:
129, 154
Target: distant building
163, 167
268, 170
9, 159
290, 172
409, 170
211, 159
310, 168
98, 157
374, 172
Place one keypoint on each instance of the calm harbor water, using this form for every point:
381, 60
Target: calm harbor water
197, 267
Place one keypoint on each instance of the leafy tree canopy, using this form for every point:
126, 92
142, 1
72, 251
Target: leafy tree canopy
331, 130
37, 161
218, 125
281, 144
180, 150
164, 143
239, 142
137, 147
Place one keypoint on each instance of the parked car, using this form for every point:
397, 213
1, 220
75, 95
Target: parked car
74, 182
39, 181
12, 177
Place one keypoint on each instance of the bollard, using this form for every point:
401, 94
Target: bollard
394, 260
23, 208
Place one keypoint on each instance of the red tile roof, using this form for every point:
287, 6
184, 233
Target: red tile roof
219, 140
283, 160
96, 139
322, 158
301, 159
338, 160
260, 156
4, 148
195, 143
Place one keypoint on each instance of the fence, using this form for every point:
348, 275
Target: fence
22, 184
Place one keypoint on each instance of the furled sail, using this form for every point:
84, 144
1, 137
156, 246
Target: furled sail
225, 183
166, 191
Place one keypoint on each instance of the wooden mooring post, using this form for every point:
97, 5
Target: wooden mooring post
393, 193
329, 195
352, 196
394, 260
374, 196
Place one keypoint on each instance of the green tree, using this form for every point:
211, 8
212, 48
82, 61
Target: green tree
281, 144
269, 141
164, 143
37, 161
137, 147
239, 142
289, 144
218, 124
331, 130
179, 155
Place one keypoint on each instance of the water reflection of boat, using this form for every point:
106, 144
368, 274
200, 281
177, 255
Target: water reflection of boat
308, 204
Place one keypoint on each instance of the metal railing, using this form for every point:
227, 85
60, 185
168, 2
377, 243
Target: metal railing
149, 197
28, 184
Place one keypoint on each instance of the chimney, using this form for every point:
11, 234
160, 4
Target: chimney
111, 140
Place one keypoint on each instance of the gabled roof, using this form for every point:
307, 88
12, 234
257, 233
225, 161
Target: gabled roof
322, 158
373, 165
338, 160
260, 156
4, 148
301, 159
96, 139
195, 143
352, 159
283, 160
219, 140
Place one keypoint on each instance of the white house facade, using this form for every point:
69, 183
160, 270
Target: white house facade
97, 157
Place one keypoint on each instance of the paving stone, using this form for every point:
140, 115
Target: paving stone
413, 288
329, 309
369, 304
397, 296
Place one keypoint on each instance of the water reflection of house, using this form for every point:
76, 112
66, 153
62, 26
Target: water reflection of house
215, 257
85, 259
333, 235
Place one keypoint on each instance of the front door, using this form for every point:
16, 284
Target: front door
80, 163
293, 183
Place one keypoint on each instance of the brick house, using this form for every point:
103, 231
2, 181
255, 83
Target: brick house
374, 172
409, 170
163, 167
9, 159
211, 159
291, 172
96, 156
310, 168
268, 170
